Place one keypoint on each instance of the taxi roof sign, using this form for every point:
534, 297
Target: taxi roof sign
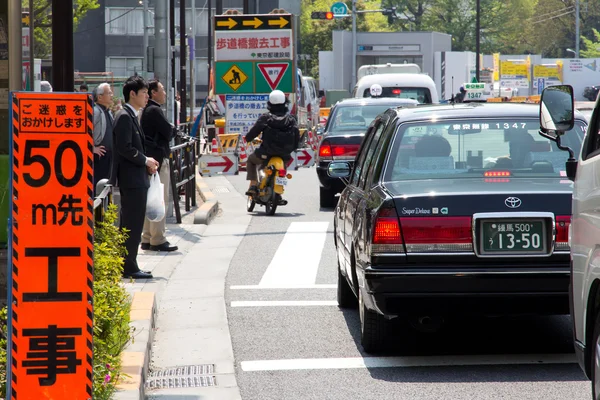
474, 86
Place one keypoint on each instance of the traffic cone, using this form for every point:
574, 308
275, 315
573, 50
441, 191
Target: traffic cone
243, 154
214, 146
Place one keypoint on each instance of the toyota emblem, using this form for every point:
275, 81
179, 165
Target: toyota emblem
513, 202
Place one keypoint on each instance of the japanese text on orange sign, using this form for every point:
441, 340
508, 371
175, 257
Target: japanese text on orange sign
51, 247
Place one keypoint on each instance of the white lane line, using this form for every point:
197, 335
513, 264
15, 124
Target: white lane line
286, 303
254, 287
296, 261
404, 362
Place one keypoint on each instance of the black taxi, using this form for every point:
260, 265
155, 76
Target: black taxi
454, 209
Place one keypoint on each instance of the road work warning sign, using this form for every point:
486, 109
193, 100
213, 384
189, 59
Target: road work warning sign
234, 77
51, 247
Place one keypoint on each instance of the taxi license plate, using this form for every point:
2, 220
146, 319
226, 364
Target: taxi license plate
513, 237
281, 181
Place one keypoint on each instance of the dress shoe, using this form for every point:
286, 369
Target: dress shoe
166, 246
138, 275
145, 246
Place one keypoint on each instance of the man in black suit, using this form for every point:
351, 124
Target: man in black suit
131, 169
159, 133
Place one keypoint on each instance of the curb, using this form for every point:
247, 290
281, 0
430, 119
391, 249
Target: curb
207, 211
135, 359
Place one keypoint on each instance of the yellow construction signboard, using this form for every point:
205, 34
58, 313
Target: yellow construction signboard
234, 77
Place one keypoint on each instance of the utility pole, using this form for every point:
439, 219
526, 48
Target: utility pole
173, 110
210, 46
145, 42
477, 40
353, 80
246, 7
219, 9
577, 28
62, 46
161, 46
182, 62
15, 49
192, 46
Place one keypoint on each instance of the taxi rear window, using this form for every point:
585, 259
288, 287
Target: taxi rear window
473, 148
422, 95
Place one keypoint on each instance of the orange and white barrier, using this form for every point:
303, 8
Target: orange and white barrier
221, 164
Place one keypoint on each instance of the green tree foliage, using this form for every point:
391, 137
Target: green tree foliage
42, 19
316, 35
592, 47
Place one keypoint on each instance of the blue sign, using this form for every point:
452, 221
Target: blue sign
339, 9
541, 83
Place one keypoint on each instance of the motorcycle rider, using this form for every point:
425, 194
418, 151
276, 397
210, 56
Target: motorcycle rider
280, 137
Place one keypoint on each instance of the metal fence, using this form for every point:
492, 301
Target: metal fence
103, 200
182, 163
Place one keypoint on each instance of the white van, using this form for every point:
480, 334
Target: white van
389, 68
419, 87
310, 100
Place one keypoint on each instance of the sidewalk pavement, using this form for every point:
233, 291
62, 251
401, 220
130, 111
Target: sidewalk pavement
192, 355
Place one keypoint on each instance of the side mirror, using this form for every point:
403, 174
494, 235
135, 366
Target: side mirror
338, 169
557, 113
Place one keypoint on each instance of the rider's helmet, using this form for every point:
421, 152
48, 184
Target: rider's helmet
277, 101
277, 97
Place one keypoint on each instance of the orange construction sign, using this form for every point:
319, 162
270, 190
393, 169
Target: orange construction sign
51, 247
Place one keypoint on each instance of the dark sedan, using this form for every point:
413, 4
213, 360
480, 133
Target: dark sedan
343, 134
458, 209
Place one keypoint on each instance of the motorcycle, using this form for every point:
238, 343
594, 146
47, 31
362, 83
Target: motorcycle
273, 179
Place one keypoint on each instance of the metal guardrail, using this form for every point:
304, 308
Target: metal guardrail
182, 164
103, 200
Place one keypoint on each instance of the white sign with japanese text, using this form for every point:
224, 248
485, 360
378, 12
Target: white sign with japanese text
243, 111
254, 45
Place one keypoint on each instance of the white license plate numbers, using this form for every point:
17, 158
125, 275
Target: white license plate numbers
281, 181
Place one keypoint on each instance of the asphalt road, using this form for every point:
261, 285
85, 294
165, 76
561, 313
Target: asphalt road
291, 341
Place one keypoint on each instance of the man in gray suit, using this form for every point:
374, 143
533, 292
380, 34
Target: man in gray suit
103, 127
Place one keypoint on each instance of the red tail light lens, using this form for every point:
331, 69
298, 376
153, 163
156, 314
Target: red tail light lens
396, 91
309, 108
282, 173
348, 151
387, 236
562, 232
325, 150
437, 234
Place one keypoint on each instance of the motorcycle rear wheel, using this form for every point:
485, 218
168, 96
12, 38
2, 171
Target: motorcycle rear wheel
271, 205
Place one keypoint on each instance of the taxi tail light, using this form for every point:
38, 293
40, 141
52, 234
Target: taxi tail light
344, 151
396, 91
309, 111
325, 151
562, 232
387, 235
437, 234
282, 173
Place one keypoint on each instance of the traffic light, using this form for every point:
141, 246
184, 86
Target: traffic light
391, 14
322, 15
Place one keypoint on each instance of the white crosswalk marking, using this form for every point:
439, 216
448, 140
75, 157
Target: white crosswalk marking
255, 287
284, 303
397, 362
297, 259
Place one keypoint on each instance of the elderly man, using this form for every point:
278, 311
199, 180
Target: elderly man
103, 127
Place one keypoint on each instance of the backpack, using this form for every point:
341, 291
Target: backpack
280, 133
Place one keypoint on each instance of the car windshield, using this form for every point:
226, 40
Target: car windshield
420, 94
496, 148
355, 118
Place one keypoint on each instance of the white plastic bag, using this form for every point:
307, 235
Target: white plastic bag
155, 203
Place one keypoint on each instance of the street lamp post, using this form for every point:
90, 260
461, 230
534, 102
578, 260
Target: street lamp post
577, 28
353, 81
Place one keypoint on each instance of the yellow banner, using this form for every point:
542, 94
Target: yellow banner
546, 71
513, 69
496, 66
